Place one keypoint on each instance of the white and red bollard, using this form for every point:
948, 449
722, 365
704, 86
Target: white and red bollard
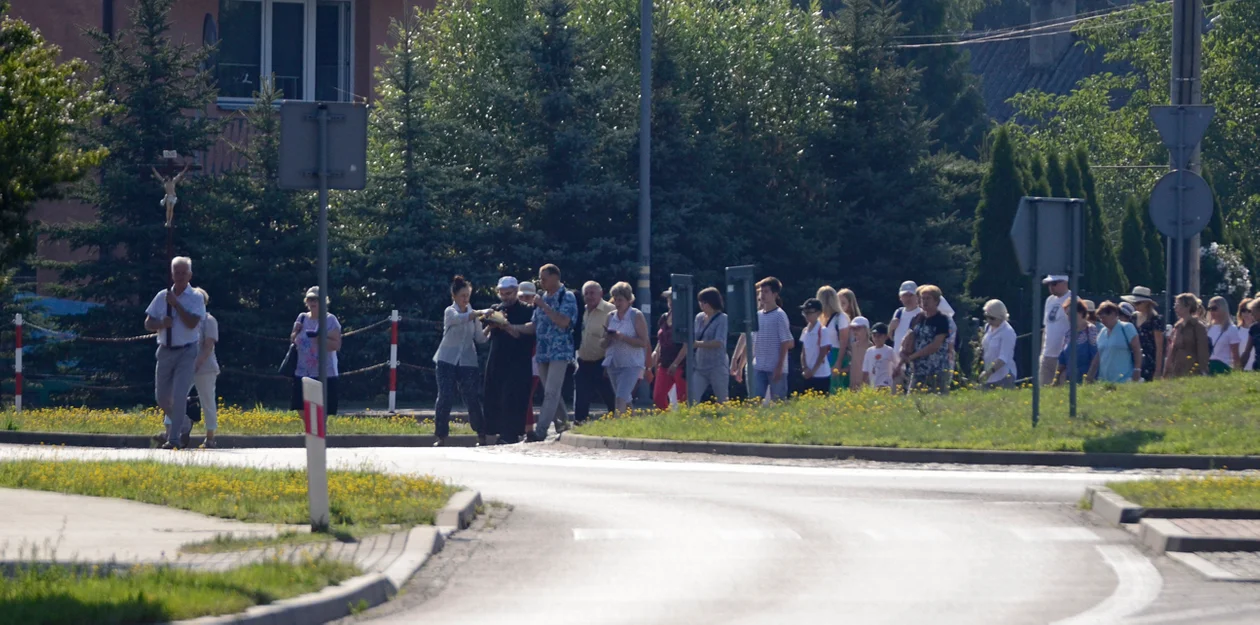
17, 366
393, 360
316, 421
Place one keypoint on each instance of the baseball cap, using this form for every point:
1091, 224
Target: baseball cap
1054, 277
861, 322
812, 305
1128, 309
508, 282
880, 328
907, 287
528, 288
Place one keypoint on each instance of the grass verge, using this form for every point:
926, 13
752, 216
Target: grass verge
232, 420
1219, 415
358, 500
1215, 492
224, 543
71, 595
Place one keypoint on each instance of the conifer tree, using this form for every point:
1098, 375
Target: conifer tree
994, 272
1156, 269
1133, 253
1056, 176
1038, 184
1102, 273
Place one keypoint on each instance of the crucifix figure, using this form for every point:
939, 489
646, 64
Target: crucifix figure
169, 200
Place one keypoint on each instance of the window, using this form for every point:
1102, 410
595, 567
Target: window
305, 45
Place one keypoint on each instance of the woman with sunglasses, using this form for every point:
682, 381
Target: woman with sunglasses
1190, 346
1244, 322
1119, 357
1150, 327
1223, 337
999, 347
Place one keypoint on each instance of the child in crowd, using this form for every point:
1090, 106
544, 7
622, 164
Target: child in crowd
877, 364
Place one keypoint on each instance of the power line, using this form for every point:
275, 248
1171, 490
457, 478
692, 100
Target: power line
1030, 33
1020, 28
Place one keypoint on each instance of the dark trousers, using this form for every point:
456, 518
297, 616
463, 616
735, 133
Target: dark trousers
468, 381
295, 400
589, 382
818, 385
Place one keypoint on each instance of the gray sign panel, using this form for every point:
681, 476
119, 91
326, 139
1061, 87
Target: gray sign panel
1197, 207
683, 296
1043, 232
299, 145
1182, 127
741, 299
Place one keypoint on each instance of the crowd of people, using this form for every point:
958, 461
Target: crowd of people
544, 336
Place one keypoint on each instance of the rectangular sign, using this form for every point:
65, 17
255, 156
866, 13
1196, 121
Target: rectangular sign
299, 145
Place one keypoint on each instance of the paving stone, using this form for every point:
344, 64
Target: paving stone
1244, 564
1222, 528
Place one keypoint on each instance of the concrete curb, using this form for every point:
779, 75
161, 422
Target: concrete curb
1118, 511
230, 441
1162, 535
459, 511
1208, 570
364, 591
941, 456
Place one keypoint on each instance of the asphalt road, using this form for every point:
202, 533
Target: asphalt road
602, 538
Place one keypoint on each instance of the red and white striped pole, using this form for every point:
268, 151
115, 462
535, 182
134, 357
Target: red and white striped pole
393, 360
17, 366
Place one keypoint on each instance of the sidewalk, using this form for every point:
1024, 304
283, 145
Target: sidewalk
97, 530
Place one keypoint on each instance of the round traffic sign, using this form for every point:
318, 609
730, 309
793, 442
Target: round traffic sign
1192, 191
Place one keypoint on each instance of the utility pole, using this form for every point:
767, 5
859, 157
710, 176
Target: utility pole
1186, 88
644, 284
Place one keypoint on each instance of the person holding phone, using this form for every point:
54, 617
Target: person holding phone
625, 345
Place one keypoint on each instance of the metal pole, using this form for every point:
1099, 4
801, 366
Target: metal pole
322, 117
1186, 88
644, 290
1073, 283
1036, 321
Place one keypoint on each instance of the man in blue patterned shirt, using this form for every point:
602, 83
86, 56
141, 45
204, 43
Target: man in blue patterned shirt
555, 313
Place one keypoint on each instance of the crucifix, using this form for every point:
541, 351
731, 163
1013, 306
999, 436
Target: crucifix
168, 184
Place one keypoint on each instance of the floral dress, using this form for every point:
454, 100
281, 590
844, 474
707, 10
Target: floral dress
1146, 336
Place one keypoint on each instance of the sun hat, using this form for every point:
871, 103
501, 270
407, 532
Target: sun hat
528, 288
1140, 294
907, 287
1054, 277
508, 282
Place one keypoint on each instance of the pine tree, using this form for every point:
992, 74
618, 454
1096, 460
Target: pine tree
1038, 184
1102, 273
1133, 253
1156, 269
1056, 176
994, 272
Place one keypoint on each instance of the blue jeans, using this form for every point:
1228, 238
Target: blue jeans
762, 380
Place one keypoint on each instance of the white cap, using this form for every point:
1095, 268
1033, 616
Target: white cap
861, 322
1054, 277
945, 308
908, 287
508, 282
527, 288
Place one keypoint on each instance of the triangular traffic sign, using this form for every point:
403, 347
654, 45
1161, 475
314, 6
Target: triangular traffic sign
1182, 126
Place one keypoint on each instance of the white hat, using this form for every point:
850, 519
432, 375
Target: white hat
945, 308
908, 287
508, 282
1140, 294
861, 322
1054, 277
527, 288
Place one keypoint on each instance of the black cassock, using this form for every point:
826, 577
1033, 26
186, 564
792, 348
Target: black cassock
509, 374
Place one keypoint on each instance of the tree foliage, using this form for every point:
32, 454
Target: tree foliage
994, 272
45, 109
1102, 272
1133, 246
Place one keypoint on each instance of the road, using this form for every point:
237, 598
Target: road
598, 538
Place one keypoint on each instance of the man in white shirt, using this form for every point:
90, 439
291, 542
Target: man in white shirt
175, 315
900, 325
1057, 325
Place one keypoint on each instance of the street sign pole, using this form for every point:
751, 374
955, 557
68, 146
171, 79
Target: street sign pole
1037, 307
315, 419
1074, 248
1181, 202
324, 299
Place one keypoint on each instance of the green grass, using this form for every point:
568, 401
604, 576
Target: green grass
358, 500
223, 543
1219, 415
59, 595
1216, 492
232, 420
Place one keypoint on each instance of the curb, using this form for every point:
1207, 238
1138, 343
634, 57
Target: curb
460, 510
364, 591
1208, 570
1118, 511
1162, 535
230, 441
912, 455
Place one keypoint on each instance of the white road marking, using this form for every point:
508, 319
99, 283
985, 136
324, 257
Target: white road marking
758, 534
907, 534
583, 533
1138, 586
1056, 534
1193, 616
